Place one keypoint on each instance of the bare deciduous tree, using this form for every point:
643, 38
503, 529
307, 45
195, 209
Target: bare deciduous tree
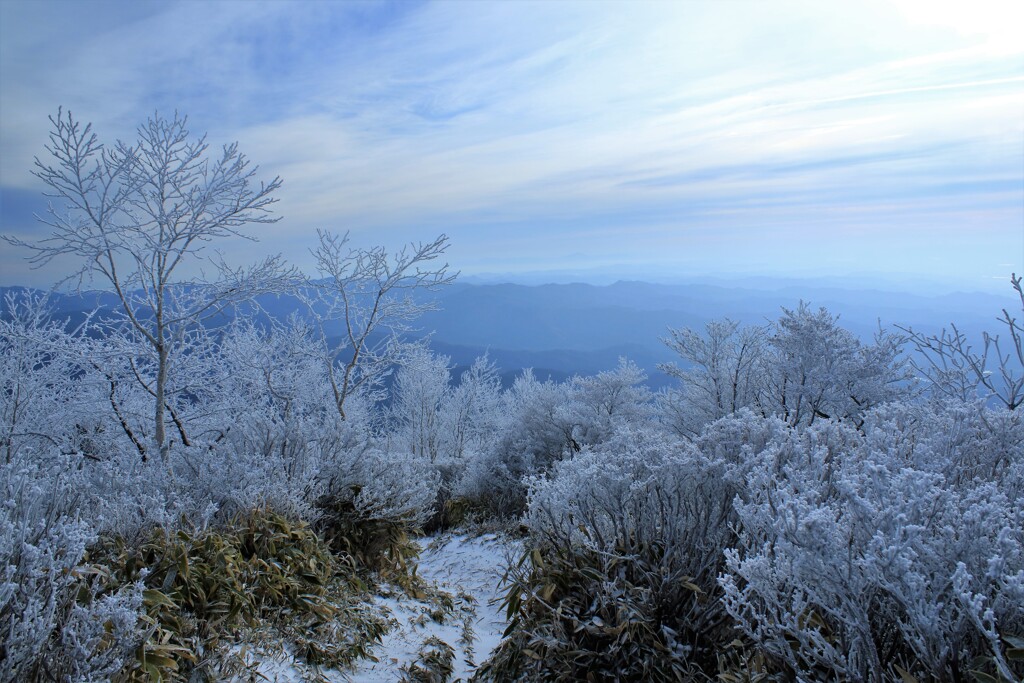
726, 371
37, 394
137, 215
371, 293
955, 369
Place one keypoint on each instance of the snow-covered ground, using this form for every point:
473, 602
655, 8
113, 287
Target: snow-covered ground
469, 568
463, 573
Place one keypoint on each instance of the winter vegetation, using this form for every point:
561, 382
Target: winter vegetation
193, 488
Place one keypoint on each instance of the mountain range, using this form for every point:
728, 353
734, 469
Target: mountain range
565, 329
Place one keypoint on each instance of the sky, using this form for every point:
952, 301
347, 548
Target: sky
647, 140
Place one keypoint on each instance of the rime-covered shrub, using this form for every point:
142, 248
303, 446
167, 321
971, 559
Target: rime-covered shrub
801, 368
393, 486
725, 369
371, 508
475, 414
422, 387
820, 370
44, 396
444, 425
602, 404
862, 551
619, 580
547, 422
52, 623
265, 433
898, 545
230, 481
540, 432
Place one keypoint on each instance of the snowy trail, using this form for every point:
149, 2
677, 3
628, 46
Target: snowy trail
467, 567
464, 569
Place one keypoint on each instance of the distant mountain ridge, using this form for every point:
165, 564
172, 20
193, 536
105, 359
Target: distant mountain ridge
566, 329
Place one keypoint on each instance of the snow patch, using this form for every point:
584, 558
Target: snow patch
467, 567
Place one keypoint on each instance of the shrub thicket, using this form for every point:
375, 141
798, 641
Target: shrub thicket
261, 571
619, 579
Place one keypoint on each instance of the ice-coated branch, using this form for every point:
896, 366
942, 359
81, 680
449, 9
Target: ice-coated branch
955, 369
371, 293
135, 215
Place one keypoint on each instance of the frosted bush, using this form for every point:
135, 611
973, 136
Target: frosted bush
474, 417
443, 425
737, 441
421, 390
381, 484
624, 546
899, 545
395, 486
820, 370
100, 637
284, 438
802, 368
41, 405
236, 480
638, 488
125, 496
539, 433
547, 422
48, 618
603, 403
725, 371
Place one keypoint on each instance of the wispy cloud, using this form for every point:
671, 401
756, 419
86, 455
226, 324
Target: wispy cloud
703, 134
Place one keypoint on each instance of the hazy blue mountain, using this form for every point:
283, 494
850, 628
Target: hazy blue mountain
635, 315
565, 329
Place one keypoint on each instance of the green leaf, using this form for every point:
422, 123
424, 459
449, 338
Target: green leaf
154, 597
904, 674
1015, 642
983, 677
153, 671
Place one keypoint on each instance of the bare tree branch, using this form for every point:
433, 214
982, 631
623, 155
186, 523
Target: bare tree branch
956, 370
372, 294
135, 215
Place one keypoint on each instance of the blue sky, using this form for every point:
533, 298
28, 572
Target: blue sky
660, 139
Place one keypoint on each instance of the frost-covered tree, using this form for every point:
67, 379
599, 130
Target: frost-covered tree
275, 394
955, 369
36, 386
546, 422
421, 391
539, 432
603, 403
139, 217
372, 295
803, 367
724, 371
448, 426
474, 416
821, 370
269, 430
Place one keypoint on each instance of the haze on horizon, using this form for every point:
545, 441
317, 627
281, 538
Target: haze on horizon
664, 140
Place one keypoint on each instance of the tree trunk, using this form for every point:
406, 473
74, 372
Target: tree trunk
159, 431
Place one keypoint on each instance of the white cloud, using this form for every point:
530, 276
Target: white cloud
665, 120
